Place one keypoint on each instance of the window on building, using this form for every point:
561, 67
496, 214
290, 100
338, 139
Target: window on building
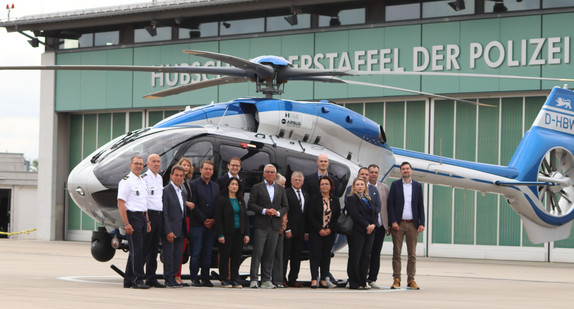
447, 8
241, 26
106, 38
86, 40
150, 34
288, 22
345, 17
403, 11
502, 6
203, 30
547, 4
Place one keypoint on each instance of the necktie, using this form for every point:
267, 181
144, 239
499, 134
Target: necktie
299, 198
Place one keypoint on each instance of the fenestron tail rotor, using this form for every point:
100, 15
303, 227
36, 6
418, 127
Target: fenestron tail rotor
557, 167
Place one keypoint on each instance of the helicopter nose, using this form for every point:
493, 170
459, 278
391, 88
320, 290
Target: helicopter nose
82, 183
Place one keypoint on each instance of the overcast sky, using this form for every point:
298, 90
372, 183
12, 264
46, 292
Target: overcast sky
20, 91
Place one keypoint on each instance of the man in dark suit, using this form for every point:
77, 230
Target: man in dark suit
295, 234
204, 193
379, 192
233, 168
407, 218
269, 201
311, 184
174, 225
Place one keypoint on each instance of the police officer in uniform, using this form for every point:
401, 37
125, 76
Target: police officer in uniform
132, 205
154, 184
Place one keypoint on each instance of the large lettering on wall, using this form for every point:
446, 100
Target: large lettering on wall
436, 58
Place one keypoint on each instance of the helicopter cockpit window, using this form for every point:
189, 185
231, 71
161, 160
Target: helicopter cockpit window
252, 163
198, 152
166, 143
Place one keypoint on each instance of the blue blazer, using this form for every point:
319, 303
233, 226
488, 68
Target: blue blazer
173, 217
396, 203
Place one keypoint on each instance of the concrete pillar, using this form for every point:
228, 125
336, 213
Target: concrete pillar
52, 161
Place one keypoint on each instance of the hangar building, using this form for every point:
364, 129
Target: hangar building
81, 110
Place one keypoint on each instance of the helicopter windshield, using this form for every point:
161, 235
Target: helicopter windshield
165, 143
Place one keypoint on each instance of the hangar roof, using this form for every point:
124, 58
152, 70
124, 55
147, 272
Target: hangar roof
144, 12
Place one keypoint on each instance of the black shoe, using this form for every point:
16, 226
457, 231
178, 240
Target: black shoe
185, 285
141, 286
155, 284
196, 282
127, 285
207, 283
173, 285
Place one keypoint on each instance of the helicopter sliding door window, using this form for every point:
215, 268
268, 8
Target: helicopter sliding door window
308, 165
252, 163
198, 151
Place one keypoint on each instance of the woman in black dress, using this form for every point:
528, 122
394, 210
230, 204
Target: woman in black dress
324, 210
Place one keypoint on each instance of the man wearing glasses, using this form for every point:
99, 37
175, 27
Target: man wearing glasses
269, 201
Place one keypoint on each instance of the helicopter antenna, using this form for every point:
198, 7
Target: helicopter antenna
224, 113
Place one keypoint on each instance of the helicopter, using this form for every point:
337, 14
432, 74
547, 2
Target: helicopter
537, 183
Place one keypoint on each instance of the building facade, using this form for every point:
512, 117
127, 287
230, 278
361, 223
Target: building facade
18, 198
83, 110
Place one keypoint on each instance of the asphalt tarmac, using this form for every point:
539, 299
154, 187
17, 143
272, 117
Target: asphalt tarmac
37, 274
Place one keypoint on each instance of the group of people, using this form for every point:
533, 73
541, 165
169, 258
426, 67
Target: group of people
200, 212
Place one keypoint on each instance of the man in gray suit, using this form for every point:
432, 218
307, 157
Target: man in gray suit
269, 201
174, 226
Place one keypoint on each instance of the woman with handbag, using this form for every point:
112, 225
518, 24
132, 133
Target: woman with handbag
324, 210
360, 240
232, 228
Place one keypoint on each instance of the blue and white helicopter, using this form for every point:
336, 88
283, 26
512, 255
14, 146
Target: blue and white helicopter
537, 183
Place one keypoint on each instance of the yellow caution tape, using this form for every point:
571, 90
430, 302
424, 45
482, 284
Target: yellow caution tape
16, 233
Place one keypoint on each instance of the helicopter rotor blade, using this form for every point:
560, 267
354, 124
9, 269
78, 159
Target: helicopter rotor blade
198, 85
327, 79
253, 67
128, 68
478, 75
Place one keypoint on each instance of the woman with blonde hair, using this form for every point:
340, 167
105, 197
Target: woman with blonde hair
360, 240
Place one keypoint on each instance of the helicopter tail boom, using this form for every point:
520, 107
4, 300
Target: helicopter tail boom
537, 183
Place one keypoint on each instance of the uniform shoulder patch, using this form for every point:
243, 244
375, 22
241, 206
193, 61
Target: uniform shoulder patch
144, 174
126, 177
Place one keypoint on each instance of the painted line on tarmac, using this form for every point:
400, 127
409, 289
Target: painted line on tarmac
99, 280
85, 279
